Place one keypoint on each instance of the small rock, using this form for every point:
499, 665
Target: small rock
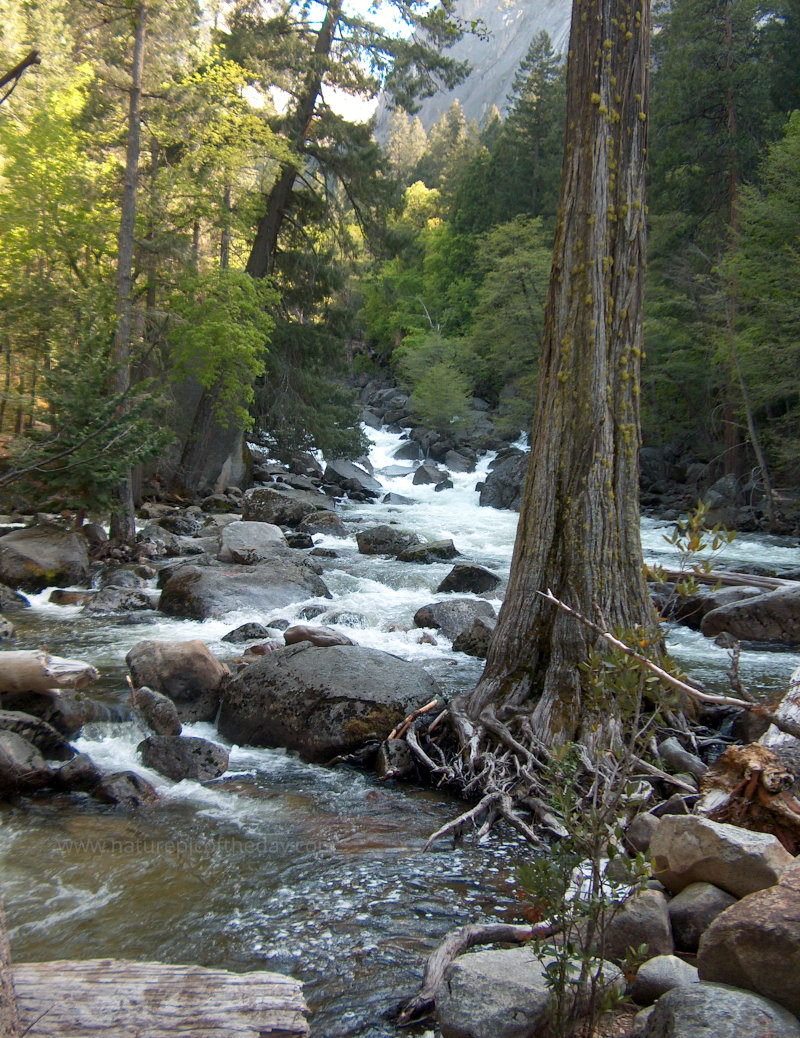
158, 711
694, 910
179, 757
642, 919
79, 775
640, 832
126, 789
316, 635
245, 633
659, 975
22, 767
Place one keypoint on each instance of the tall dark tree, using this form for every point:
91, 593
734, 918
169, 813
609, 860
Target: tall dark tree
579, 524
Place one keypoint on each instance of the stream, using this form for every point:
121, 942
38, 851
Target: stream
282, 865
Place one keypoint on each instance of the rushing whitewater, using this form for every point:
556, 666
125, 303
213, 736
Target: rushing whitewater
284, 865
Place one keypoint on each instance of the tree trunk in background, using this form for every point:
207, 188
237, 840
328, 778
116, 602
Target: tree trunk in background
579, 523
122, 518
262, 255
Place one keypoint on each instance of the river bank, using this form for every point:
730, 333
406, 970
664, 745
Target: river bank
284, 865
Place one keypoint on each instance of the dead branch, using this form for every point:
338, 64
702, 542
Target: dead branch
453, 945
790, 727
729, 578
399, 731
13, 75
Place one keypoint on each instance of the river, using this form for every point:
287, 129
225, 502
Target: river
283, 865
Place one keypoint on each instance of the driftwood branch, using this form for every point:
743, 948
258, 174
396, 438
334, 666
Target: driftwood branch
729, 578
453, 945
785, 725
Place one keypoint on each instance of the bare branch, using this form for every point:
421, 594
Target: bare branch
13, 75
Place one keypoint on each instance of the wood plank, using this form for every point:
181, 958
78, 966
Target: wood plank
9, 1021
71, 999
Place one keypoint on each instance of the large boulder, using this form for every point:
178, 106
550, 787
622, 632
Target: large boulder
202, 592
348, 476
755, 944
771, 617
466, 578
281, 505
327, 523
249, 543
322, 701
185, 671
41, 556
428, 473
687, 849
22, 767
718, 1011
499, 994
454, 616
179, 757
385, 540
502, 487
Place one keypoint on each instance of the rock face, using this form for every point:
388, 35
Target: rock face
185, 671
203, 592
180, 757
503, 485
696, 1010
283, 507
755, 944
322, 702
771, 617
689, 849
454, 616
39, 556
498, 994
248, 543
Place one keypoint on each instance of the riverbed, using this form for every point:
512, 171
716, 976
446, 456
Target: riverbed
282, 865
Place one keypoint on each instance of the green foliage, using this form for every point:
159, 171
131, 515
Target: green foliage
434, 369
506, 334
219, 335
89, 436
766, 268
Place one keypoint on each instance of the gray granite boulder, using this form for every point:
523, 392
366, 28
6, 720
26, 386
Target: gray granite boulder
717, 1011
180, 757
693, 910
22, 767
453, 616
659, 975
687, 849
771, 617
197, 592
248, 543
499, 994
641, 920
37, 557
322, 701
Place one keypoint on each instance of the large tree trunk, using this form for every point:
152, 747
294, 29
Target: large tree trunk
262, 255
579, 524
122, 518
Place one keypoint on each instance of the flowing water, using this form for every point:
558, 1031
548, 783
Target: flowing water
282, 865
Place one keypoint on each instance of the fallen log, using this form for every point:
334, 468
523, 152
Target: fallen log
79, 999
31, 670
